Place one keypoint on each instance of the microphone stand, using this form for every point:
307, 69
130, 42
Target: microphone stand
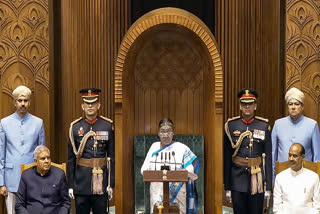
174, 158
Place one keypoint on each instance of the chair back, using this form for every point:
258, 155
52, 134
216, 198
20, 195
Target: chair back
60, 166
142, 145
313, 166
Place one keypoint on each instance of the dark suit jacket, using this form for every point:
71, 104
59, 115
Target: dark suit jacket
45, 194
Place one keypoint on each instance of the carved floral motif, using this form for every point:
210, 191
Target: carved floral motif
24, 38
172, 63
303, 47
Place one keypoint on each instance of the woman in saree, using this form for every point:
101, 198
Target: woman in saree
177, 156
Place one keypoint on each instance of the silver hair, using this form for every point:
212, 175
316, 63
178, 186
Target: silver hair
39, 149
21, 90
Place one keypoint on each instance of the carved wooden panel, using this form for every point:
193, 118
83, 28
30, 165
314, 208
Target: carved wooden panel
24, 50
194, 24
302, 52
169, 80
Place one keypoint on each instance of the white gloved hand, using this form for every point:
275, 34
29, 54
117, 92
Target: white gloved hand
267, 195
110, 193
71, 193
228, 196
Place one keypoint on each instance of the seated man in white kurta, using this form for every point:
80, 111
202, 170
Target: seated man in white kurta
296, 189
180, 154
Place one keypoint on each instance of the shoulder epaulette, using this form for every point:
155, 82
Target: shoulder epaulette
106, 119
75, 121
71, 135
226, 127
261, 118
233, 118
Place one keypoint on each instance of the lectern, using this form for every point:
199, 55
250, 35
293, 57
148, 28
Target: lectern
166, 176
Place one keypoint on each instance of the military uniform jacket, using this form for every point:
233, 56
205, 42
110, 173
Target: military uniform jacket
79, 177
236, 177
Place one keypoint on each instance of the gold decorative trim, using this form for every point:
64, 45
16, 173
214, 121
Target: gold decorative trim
170, 16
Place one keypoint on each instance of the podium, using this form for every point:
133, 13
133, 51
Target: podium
166, 176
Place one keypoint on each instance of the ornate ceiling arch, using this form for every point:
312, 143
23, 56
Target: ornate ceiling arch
170, 16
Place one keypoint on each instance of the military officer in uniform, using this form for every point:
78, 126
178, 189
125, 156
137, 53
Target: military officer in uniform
90, 147
247, 157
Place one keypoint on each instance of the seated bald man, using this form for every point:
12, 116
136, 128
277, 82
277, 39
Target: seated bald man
296, 189
43, 188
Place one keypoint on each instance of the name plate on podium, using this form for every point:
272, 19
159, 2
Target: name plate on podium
165, 176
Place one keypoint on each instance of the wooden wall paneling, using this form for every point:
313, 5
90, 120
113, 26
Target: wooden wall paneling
191, 114
24, 54
153, 104
272, 61
172, 104
90, 37
168, 74
197, 112
159, 104
147, 112
249, 41
302, 52
91, 32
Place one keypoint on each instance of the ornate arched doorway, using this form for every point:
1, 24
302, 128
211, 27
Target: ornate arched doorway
168, 65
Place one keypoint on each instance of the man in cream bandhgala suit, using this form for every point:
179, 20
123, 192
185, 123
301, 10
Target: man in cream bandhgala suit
20, 133
296, 189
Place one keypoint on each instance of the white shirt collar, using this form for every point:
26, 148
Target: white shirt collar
296, 173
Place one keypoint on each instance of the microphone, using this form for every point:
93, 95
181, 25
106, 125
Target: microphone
174, 158
155, 163
161, 156
165, 158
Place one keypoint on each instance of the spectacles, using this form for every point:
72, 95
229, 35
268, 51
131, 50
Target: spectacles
164, 133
